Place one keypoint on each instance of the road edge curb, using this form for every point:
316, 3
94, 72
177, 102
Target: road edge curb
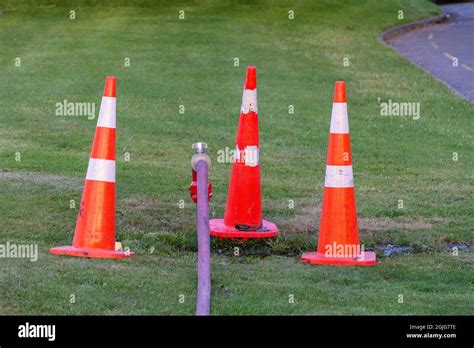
396, 31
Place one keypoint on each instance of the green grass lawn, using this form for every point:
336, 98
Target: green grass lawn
190, 62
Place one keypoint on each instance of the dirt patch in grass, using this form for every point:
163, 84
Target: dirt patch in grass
307, 221
57, 181
139, 202
368, 225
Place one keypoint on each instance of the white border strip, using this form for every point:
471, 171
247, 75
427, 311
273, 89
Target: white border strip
339, 176
339, 120
101, 170
249, 101
107, 112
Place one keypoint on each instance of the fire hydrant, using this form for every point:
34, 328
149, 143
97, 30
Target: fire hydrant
199, 153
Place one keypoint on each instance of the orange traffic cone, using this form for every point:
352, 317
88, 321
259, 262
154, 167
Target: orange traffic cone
243, 212
338, 242
95, 228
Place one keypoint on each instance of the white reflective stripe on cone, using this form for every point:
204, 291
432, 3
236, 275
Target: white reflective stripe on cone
249, 101
107, 112
249, 157
252, 156
339, 121
339, 176
101, 170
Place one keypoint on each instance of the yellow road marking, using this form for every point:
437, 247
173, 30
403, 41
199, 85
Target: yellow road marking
449, 56
430, 39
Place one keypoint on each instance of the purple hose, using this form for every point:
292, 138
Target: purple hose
203, 302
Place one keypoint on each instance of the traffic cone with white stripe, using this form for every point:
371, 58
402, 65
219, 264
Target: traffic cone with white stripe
94, 236
243, 212
338, 242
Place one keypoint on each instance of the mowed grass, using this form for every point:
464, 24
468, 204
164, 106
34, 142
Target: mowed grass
190, 62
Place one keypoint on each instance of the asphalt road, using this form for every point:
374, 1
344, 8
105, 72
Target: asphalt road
444, 50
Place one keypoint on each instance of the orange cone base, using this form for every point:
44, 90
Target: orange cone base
91, 252
220, 230
316, 258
